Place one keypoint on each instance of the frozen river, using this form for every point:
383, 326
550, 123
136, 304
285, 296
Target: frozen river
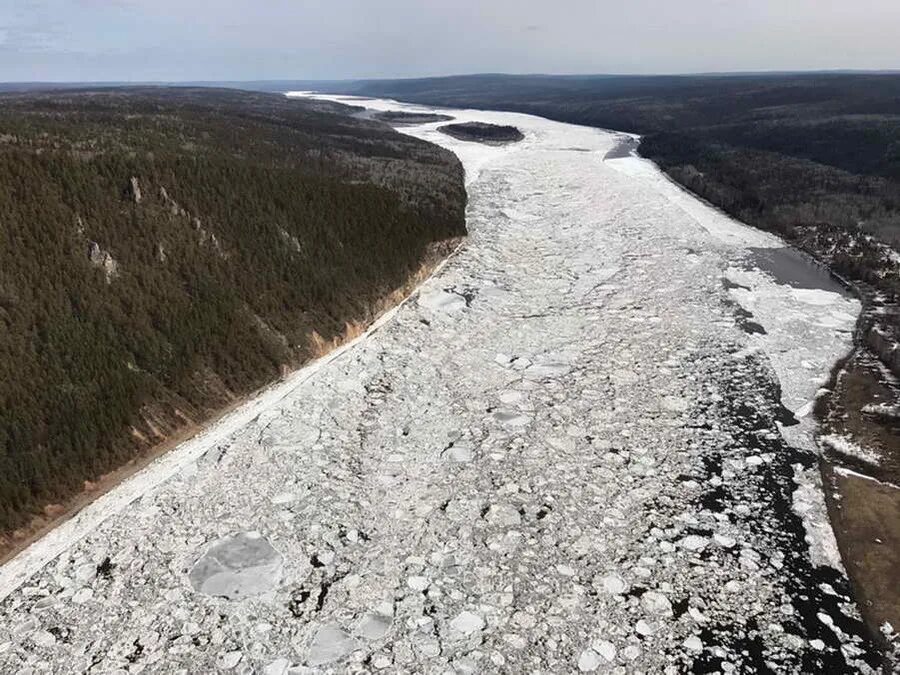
585, 444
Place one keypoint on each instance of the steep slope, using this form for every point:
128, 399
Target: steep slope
167, 251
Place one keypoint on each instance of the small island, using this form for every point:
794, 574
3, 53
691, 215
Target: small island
400, 118
482, 132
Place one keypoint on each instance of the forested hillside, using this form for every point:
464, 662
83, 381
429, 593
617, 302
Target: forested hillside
167, 251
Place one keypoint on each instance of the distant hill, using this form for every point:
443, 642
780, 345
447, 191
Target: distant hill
166, 251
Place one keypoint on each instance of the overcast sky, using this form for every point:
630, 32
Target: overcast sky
93, 40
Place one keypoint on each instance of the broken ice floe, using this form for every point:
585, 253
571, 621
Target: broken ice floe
467, 622
442, 301
331, 643
375, 625
566, 474
547, 369
237, 567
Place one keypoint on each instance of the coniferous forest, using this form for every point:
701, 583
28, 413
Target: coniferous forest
165, 251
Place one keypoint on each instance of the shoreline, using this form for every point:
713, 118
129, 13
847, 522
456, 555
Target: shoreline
868, 586
43, 525
863, 500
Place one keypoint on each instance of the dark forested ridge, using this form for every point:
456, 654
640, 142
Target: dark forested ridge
165, 251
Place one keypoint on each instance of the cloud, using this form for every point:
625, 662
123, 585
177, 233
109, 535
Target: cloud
32, 37
284, 39
30, 26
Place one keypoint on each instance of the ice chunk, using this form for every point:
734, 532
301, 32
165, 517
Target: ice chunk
331, 643
656, 603
373, 626
467, 622
442, 301
238, 566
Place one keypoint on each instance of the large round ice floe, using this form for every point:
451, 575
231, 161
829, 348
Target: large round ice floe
238, 566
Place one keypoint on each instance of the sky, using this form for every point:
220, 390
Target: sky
182, 40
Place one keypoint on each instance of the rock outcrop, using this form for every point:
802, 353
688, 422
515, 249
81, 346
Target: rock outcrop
134, 190
102, 259
174, 208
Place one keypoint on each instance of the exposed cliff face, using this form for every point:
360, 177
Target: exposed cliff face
215, 239
134, 190
103, 260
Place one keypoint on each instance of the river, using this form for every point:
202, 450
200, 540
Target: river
586, 443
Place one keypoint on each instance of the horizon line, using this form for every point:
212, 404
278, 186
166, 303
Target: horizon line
731, 73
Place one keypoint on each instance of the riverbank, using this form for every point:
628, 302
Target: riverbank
859, 446
36, 545
859, 441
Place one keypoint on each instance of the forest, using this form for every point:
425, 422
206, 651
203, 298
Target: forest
167, 251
